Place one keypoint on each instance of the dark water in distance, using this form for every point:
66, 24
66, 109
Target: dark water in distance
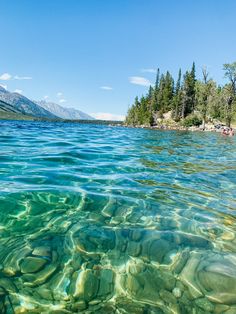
99, 219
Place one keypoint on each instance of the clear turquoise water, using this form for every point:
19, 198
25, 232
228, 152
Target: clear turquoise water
98, 219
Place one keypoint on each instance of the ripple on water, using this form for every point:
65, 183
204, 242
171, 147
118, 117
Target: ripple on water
97, 219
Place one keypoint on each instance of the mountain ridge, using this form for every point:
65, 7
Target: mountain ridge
64, 112
24, 105
20, 104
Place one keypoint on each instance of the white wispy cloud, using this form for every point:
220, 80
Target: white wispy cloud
59, 94
45, 97
16, 77
8, 77
61, 101
107, 116
148, 70
3, 85
5, 77
106, 87
139, 80
19, 91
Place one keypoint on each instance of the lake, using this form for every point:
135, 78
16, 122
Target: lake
99, 219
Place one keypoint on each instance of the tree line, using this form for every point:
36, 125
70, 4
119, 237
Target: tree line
191, 101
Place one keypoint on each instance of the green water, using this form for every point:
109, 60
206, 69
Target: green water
97, 219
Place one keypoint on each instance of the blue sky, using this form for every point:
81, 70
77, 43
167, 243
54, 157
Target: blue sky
97, 55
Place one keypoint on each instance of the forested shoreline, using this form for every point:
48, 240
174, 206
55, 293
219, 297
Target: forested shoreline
188, 100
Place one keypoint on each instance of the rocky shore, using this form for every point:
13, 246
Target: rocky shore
177, 127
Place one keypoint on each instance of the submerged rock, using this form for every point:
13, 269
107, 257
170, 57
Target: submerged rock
212, 275
205, 305
42, 251
167, 296
87, 285
32, 264
177, 292
106, 285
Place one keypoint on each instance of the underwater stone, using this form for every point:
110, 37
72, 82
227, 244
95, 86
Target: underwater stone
169, 280
168, 223
167, 296
107, 308
134, 248
9, 272
14, 256
106, 285
170, 257
41, 277
117, 220
92, 239
205, 305
177, 292
136, 267
185, 302
228, 236
2, 307
180, 286
94, 302
180, 263
8, 285
32, 264
86, 285
90, 286
193, 241
136, 235
2, 292
224, 298
42, 251
146, 285
229, 246
218, 279
134, 217
220, 308
76, 262
158, 249
45, 293
188, 275
232, 310
132, 285
79, 306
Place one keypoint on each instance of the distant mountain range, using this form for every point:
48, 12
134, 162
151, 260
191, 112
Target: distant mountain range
8, 112
16, 104
24, 105
64, 113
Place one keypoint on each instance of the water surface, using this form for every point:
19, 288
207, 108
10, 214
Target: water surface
98, 219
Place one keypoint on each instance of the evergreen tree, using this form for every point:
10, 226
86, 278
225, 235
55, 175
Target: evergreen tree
193, 82
188, 100
157, 80
202, 95
165, 94
154, 101
186, 96
230, 73
176, 105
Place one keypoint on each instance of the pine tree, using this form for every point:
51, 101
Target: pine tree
166, 92
193, 82
185, 96
157, 80
230, 73
154, 101
188, 100
177, 98
204, 97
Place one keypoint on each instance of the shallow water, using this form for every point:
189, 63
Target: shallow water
98, 219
